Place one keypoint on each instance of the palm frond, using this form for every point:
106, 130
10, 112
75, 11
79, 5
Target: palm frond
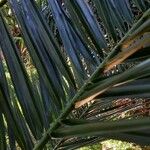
91, 81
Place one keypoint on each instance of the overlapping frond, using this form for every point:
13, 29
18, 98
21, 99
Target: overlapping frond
90, 76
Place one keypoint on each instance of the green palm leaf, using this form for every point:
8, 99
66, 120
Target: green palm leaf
90, 67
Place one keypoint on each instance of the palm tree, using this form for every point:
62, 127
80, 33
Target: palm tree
91, 74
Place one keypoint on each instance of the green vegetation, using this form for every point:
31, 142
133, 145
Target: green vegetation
74, 73
112, 145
